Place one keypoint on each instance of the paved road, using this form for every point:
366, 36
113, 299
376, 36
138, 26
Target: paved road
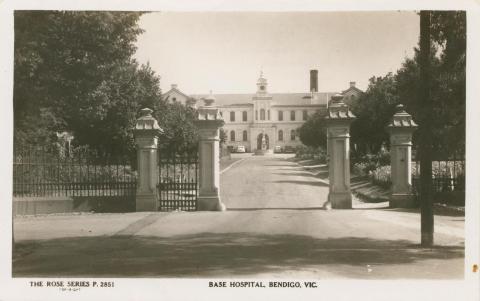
271, 182
272, 229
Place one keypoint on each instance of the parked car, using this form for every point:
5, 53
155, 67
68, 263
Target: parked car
277, 149
240, 149
289, 149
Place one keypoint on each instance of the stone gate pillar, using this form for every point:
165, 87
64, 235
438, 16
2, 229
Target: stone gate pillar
338, 132
208, 123
146, 140
401, 128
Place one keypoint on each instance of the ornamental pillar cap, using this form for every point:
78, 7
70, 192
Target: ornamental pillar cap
209, 116
146, 123
338, 110
337, 98
402, 120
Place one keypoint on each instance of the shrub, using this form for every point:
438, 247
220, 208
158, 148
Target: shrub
310, 152
364, 165
382, 176
361, 169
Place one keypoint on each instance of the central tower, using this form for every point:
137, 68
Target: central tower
262, 127
262, 85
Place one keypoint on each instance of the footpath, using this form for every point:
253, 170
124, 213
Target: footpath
366, 192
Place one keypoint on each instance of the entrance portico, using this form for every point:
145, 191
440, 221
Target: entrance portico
269, 132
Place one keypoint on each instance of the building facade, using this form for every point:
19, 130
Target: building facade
263, 117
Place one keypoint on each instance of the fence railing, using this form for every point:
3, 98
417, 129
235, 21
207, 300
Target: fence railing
42, 171
178, 181
448, 174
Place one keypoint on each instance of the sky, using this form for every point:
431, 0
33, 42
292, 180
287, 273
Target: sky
225, 51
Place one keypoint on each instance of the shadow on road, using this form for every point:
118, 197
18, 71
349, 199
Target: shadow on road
223, 255
311, 183
294, 173
276, 208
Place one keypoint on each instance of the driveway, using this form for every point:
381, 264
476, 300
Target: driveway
271, 182
273, 228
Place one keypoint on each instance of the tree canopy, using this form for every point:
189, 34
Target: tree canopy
447, 91
314, 131
74, 71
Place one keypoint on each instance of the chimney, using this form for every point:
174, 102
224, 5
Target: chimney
352, 84
313, 80
174, 86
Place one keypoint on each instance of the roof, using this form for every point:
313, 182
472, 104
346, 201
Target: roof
352, 88
279, 99
178, 91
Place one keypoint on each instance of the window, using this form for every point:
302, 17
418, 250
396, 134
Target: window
245, 137
268, 114
292, 135
280, 135
221, 113
232, 135
352, 97
174, 99
292, 115
305, 115
256, 114
244, 115
232, 116
280, 115
262, 114
262, 88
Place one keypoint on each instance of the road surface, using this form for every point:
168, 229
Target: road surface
274, 227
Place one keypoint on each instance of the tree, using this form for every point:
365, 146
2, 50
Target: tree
176, 120
222, 136
314, 131
373, 110
74, 71
447, 92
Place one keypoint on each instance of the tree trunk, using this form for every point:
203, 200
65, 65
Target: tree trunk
425, 132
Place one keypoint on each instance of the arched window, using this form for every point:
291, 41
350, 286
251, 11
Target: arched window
245, 137
280, 115
262, 114
244, 115
292, 135
280, 135
232, 116
268, 114
305, 115
292, 115
232, 135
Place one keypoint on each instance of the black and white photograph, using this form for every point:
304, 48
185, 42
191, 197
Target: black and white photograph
240, 152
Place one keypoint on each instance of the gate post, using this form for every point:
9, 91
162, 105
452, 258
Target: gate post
146, 140
209, 122
401, 128
338, 132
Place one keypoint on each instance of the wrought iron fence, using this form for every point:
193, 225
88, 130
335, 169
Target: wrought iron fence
448, 174
48, 171
178, 180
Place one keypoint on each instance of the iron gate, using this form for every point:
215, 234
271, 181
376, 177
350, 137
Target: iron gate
177, 181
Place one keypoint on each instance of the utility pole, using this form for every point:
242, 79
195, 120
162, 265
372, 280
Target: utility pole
425, 131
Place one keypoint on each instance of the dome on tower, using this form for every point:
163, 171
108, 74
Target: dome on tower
261, 85
261, 79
